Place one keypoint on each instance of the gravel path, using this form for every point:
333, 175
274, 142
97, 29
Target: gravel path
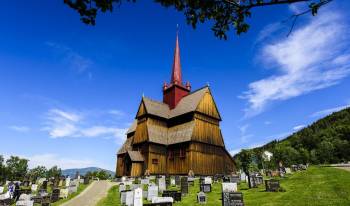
91, 195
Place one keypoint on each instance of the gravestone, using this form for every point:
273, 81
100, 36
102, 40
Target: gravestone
229, 187
232, 199
55, 196
152, 192
201, 198
243, 176
44, 185
123, 196
190, 181
135, 186
208, 180
167, 181
172, 181
259, 179
161, 184
252, 181
201, 180
129, 198
1, 190
145, 194
177, 180
67, 182
34, 187
86, 180
205, 188
288, 171
64, 193
162, 200
184, 185
60, 183
272, 185
144, 181
122, 187
138, 197
72, 189
174, 194
235, 179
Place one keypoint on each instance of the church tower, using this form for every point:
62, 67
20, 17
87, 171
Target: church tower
175, 90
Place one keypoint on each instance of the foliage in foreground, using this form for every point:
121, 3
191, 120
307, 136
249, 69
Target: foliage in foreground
317, 186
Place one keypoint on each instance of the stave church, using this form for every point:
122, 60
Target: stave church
177, 135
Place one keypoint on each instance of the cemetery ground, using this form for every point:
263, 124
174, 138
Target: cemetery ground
316, 186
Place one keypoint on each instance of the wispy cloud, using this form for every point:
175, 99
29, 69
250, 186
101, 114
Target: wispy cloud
19, 128
314, 57
244, 136
67, 124
298, 127
76, 61
328, 111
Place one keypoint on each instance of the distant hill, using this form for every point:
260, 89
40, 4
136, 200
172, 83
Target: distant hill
83, 171
325, 141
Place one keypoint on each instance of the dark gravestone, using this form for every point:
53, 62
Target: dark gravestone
55, 196
177, 180
201, 198
272, 185
174, 194
235, 179
184, 185
259, 179
252, 181
44, 185
205, 188
167, 181
201, 180
226, 179
232, 199
86, 180
191, 181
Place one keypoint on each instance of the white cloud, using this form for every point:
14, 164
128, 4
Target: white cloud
314, 57
268, 30
244, 136
299, 127
233, 152
67, 124
72, 58
19, 128
328, 111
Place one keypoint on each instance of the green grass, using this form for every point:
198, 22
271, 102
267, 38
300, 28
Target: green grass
81, 188
318, 186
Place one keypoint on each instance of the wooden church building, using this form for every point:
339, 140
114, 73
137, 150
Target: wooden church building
176, 135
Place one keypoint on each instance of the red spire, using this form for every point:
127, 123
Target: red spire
176, 73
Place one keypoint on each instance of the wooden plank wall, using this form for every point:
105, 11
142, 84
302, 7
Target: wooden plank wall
177, 164
136, 169
207, 132
141, 133
157, 152
120, 166
207, 106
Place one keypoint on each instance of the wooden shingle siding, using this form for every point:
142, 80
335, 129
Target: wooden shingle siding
207, 106
207, 132
142, 110
141, 133
120, 165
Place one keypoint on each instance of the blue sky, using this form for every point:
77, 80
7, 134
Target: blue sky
69, 91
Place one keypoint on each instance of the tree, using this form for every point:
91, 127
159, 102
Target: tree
17, 168
325, 151
225, 14
54, 172
37, 172
2, 170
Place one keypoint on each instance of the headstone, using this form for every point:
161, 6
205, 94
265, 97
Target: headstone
172, 181
1, 190
167, 181
67, 182
252, 181
34, 187
226, 179
177, 180
123, 196
229, 187
145, 194
152, 192
135, 186
208, 180
64, 193
272, 185
190, 181
243, 176
184, 185
44, 185
235, 179
60, 183
201, 198
288, 171
161, 184
205, 188
86, 180
232, 199
144, 181
72, 189
129, 198
174, 194
162, 200
122, 187
138, 197
55, 196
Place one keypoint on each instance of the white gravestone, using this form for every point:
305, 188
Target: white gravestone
67, 182
64, 193
288, 171
152, 192
162, 200
172, 181
122, 188
243, 176
129, 198
123, 197
1, 190
138, 197
208, 180
34, 187
161, 184
144, 181
72, 189
229, 187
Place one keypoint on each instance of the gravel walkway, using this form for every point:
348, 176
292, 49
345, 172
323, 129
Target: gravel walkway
91, 195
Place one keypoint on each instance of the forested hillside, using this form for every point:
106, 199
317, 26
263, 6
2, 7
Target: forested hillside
325, 141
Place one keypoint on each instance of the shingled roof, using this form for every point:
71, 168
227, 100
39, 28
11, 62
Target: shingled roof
187, 104
126, 146
135, 156
132, 128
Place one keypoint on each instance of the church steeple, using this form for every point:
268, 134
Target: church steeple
176, 76
174, 92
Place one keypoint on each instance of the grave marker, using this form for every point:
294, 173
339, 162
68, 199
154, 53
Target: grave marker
205, 188
138, 197
201, 198
232, 199
229, 187
152, 192
184, 185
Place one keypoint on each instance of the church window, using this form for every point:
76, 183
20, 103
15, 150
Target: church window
155, 161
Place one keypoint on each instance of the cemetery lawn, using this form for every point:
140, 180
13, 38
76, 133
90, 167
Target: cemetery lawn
81, 188
317, 186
